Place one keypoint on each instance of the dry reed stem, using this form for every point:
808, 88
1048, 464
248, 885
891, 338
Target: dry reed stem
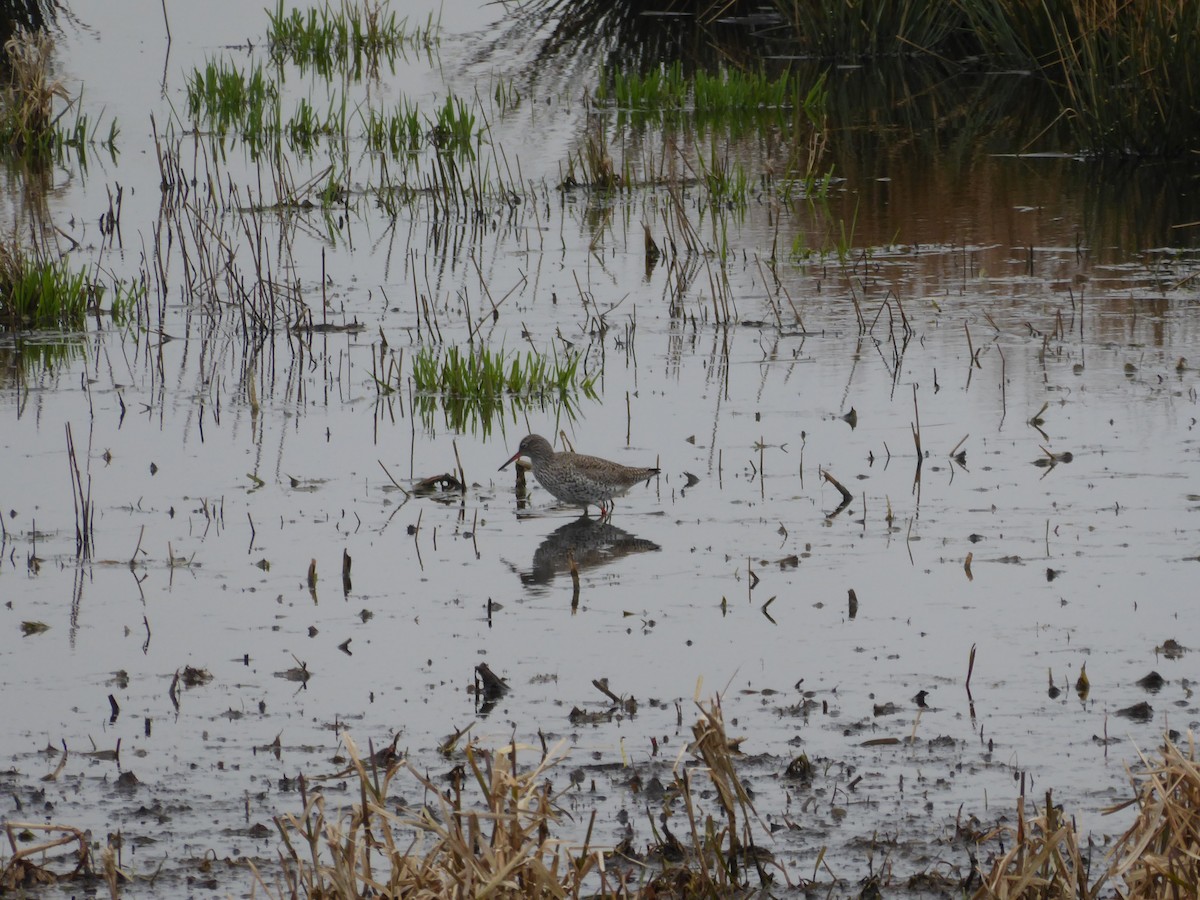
21, 871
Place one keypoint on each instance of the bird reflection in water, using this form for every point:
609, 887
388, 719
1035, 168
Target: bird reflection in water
590, 542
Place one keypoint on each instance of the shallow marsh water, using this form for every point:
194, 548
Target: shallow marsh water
223, 474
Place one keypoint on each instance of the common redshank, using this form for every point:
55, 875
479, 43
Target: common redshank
577, 479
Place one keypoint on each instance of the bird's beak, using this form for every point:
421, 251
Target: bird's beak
515, 456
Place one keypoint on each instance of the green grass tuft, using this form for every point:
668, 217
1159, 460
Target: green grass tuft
477, 387
346, 39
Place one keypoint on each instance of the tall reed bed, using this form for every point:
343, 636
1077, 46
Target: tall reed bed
1127, 74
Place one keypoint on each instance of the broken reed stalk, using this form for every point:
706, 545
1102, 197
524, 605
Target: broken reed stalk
81, 497
970, 670
21, 870
574, 579
462, 475
846, 495
917, 427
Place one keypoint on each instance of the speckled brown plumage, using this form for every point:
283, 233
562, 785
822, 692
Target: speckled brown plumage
577, 479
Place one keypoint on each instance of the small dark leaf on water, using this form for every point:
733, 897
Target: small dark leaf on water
153, 469
851, 418
344, 646
312, 631
366, 615
975, 538
789, 562
919, 699
886, 709
194, 677
1152, 682
264, 564
691, 439
1140, 712
1104, 742
1172, 649
259, 831
853, 603
1051, 574
32, 628
801, 767
691, 479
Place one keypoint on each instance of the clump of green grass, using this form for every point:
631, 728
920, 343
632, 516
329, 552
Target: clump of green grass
665, 88
41, 294
225, 98
482, 371
398, 134
47, 294
478, 386
454, 128
348, 38
660, 88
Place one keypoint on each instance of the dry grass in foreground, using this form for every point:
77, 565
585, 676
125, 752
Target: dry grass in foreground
1158, 858
503, 845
